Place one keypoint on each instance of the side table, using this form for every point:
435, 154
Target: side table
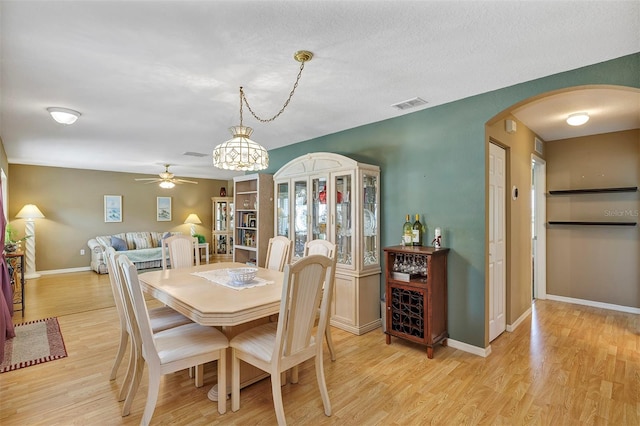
17, 262
204, 246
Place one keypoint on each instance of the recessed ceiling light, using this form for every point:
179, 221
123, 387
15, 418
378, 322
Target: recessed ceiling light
63, 115
577, 119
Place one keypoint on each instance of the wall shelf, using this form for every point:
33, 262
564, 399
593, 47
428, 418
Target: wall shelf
590, 223
594, 190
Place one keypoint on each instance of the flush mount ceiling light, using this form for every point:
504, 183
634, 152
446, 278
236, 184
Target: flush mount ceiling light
63, 115
577, 119
240, 152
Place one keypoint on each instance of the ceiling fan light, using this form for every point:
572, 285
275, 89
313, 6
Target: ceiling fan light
577, 119
240, 152
167, 184
63, 115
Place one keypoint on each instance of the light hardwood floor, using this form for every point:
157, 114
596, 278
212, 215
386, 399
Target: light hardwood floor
565, 365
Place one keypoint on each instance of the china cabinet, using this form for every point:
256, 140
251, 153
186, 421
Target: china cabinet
416, 295
222, 233
332, 197
253, 218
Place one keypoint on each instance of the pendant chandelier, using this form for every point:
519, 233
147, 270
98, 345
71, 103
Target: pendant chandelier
240, 152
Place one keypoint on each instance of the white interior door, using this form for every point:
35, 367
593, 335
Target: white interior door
497, 227
538, 230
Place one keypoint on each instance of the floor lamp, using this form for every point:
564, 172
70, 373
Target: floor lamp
30, 212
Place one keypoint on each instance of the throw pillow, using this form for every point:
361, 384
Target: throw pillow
118, 244
142, 243
165, 236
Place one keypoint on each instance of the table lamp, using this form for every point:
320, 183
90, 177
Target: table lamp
30, 212
194, 220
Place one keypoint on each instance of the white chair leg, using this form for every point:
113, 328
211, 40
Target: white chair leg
277, 399
128, 378
199, 375
152, 397
222, 382
133, 388
235, 382
122, 347
322, 384
327, 335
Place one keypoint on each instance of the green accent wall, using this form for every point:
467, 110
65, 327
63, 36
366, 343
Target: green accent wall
432, 163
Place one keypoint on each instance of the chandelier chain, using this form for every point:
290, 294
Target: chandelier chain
266, 120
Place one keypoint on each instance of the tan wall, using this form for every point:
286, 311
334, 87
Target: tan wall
594, 263
72, 201
519, 147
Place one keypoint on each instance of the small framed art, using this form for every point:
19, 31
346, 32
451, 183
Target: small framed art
163, 209
113, 208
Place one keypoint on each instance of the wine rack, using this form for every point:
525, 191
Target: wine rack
416, 295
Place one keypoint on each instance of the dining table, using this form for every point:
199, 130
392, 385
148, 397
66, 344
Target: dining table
205, 295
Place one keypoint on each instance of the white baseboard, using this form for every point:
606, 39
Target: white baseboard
611, 306
512, 327
65, 271
455, 344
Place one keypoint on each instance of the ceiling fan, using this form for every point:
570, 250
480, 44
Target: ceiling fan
167, 179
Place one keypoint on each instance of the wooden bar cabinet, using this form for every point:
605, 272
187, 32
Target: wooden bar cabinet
416, 295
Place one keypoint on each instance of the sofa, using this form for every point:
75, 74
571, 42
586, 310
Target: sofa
142, 248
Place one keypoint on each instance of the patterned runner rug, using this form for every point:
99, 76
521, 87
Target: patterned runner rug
35, 342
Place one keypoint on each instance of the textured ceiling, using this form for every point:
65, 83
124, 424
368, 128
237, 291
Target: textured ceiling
155, 79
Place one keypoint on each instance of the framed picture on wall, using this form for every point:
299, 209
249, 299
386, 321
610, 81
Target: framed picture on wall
113, 208
163, 209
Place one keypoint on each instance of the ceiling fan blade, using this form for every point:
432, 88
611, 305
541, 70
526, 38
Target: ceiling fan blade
184, 181
149, 179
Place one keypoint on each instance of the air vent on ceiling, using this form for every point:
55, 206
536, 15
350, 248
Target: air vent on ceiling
410, 103
195, 154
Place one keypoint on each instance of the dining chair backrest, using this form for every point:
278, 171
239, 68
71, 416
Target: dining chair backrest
139, 315
322, 247
116, 288
182, 251
328, 249
278, 253
303, 293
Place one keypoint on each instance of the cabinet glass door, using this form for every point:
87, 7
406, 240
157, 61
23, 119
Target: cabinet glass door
370, 219
282, 209
230, 215
344, 219
221, 216
319, 206
300, 217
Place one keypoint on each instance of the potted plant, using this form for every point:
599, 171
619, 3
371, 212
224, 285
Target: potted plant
10, 241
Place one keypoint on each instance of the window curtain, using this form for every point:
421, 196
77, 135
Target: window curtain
6, 295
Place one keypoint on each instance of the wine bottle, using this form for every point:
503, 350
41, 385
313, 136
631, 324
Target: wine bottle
407, 232
417, 231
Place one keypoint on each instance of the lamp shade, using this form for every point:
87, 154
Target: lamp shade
240, 152
63, 115
30, 212
193, 219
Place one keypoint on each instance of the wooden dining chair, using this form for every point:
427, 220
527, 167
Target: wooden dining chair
328, 249
181, 250
170, 350
278, 253
161, 318
278, 347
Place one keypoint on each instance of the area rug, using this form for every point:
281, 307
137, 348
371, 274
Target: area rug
35, 342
